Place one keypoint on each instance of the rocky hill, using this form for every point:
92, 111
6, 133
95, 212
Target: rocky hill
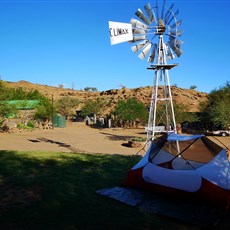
189, 97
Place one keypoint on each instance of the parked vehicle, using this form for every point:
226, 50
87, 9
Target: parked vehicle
222, 133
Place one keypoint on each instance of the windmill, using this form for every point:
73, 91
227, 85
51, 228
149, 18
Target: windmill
149, 32
187, 166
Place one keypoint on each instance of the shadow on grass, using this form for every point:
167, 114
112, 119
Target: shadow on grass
44, 190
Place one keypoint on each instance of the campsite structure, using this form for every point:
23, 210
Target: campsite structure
180, 165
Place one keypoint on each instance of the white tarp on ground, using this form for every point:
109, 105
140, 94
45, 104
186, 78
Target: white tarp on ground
196, 214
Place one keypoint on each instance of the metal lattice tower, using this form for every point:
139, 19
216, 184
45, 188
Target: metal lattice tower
161, 112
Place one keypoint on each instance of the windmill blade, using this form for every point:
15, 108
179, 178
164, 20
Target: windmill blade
167, 15
150, 12
139, 46
138, 31
178, 43
169, 52
163, 8
136, 23
172, 17
141, 15
145, 51
175, 33
138, 38
157, 13
153, 54
177, 51
176, 24
173, 45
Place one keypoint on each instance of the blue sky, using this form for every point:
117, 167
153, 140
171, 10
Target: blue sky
67, 42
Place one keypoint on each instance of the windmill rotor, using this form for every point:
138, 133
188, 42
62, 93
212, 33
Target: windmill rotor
152, 22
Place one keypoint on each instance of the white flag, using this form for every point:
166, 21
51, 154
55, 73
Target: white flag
120, 32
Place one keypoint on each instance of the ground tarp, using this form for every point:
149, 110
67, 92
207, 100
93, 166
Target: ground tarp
189, 212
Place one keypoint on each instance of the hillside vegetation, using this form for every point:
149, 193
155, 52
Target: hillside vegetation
189, 97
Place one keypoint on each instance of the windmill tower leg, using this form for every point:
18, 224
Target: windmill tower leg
171, 108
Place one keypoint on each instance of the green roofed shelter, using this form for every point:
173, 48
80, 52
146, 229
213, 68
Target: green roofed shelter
23, 104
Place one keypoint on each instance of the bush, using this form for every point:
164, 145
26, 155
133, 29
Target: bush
139, 139
217, 109
30, 124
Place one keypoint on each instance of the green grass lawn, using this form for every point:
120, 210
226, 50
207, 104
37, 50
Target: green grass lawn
46, 190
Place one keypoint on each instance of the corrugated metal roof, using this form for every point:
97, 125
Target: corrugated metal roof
23, 104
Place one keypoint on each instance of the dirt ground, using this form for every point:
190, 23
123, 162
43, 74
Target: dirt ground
79, 138
73, 138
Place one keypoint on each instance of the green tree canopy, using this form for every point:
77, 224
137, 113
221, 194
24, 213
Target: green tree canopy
7, 109
90, 89
193, 87
45, 110
217, 108
8, 93
182, 114
131, 110
4, 91
66, 105
93, 106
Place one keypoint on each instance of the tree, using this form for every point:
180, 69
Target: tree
66, 106
93, 106
217, 108
7, 109
21, 94
90, 89
193, 87
131, 110
8, 93
182, 114
45, 110
61, 86
4, 91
